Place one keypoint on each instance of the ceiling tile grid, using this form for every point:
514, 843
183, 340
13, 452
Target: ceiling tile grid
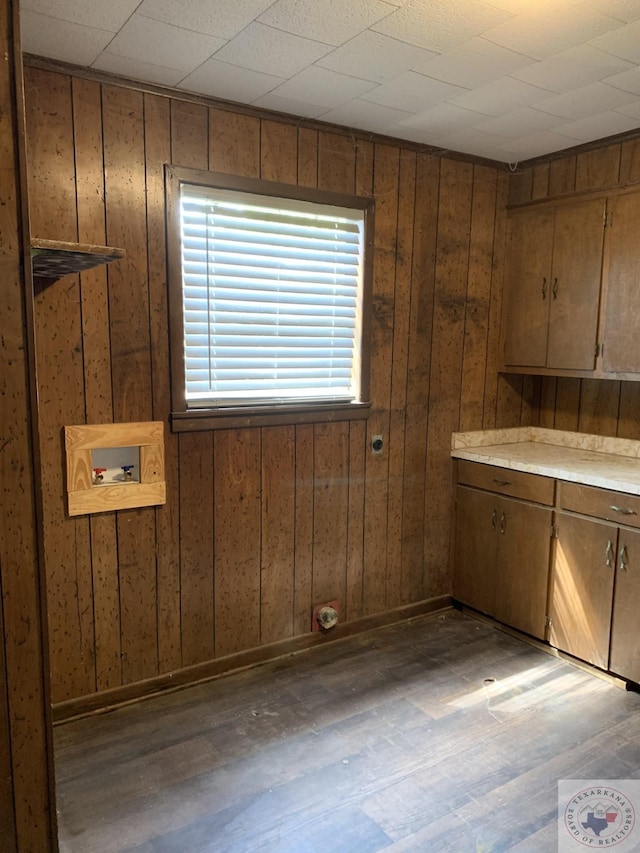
504, 79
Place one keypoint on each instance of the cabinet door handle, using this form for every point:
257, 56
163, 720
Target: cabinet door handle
608, 554
623, 510
623, 558
503, 523
544, 287
494, 519
554, 290
502, 482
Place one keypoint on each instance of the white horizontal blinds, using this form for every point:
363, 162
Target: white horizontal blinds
271, 291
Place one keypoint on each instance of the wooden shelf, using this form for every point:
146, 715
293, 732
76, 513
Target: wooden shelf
51, 259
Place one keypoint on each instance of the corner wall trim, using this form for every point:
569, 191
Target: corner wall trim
108, 700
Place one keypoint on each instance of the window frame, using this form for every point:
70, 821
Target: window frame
184, 419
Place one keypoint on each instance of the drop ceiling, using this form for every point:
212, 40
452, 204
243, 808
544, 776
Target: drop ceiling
507, 79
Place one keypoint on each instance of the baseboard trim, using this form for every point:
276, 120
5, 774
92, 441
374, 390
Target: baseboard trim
108, 700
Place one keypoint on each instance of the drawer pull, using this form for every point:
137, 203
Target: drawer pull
608, 554
623, 510
502, 482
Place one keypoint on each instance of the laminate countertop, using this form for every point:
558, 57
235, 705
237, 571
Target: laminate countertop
592, 460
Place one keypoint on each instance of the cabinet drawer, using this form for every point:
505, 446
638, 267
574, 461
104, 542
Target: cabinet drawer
600, 503
504, 481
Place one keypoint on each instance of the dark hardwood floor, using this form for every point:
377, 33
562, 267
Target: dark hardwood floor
397, 740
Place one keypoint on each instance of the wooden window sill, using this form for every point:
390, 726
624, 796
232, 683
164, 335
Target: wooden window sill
240, 417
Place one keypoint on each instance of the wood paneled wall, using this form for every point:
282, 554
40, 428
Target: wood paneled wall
604, 407
260, 524
27, 808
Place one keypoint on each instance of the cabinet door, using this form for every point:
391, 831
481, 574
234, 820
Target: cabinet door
582, 597
528, 287
625, 636
522, 571
475, 548
575, 286
622, 286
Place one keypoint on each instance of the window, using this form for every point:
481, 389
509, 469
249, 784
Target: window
269, 287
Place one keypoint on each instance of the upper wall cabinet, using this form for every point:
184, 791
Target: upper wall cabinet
552, 286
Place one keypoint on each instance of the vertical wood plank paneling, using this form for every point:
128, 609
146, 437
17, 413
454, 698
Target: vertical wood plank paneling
419, 362
330, 511
567, 404
27, 802
386, 177
196, 475
157, 152
278, 152
476, 325
307, 157
521, 186
237, 540
562, 175
87, 117
355, 521
452, 263
540, 181
492, 380
630, 161
278, 534
399, 374
62, 399
599, 405
336, 162
598, 168
303, 554
123, 129
234, 143
629, 414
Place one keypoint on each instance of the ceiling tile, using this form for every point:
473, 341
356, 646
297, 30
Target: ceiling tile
625, 10
375, 57
628, 80
474, 63
598, 126
102, 16
122, 65
535, 145
444, 118
146, 39
271, 51
501, 96
523, 122
468, 141
229, 82
631, 110
548, 31
220, 18
440, 24
365, 115
61, 40
572, 68
330, 21
579, 103
623, 42
413, 92
321, 86
289, 106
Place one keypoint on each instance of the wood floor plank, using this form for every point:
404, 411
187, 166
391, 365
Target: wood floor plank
438, 734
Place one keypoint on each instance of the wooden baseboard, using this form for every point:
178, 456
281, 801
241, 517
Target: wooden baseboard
108, 700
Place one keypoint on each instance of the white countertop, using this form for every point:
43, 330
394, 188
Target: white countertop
593, 460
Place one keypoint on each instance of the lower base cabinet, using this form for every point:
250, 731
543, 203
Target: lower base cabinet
504, 550
502, 555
